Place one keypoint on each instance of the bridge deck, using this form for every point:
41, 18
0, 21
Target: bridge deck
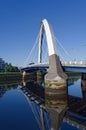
67, 68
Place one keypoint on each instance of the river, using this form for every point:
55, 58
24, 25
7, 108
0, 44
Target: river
23, 106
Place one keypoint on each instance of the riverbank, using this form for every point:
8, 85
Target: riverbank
10, 76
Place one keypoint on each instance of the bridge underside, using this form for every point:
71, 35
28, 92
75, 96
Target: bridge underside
65, 68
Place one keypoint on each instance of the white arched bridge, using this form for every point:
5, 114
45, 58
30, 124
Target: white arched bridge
54, 64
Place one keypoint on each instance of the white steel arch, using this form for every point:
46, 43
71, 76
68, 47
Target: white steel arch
49, 37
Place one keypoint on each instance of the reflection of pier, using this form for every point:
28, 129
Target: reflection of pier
36, 94
75, 115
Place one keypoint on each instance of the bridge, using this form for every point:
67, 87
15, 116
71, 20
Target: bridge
55, 83
67, 66
55, 68
52, 50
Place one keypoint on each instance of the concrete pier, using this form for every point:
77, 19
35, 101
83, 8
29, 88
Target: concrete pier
56, 92
31, 76
40, 77
55, 78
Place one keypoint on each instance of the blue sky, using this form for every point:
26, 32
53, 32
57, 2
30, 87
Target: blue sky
20, 22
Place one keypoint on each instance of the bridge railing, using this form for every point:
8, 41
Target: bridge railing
76, 63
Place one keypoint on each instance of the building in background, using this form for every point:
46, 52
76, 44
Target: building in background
3, 64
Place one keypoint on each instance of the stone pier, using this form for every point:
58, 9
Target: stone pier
55, 78
31, 76
40, 76
56, 92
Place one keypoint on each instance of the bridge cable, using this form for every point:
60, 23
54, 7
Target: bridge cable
33, 50
65, 51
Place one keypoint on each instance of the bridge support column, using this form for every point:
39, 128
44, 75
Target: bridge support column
55, 78
23, 75
30, 76
40, 76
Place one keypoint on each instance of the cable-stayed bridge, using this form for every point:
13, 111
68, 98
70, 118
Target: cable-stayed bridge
68, 67
48, 56
55, 79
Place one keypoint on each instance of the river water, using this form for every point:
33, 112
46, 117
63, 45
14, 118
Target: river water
22, 107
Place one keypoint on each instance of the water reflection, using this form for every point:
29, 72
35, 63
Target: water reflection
36, 99
60, 106
76, 113
51, 108
15, 113
83, 87
7, 86
56, 105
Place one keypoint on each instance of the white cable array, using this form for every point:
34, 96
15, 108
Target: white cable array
64, 50
32, 54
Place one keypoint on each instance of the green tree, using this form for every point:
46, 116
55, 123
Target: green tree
10, 68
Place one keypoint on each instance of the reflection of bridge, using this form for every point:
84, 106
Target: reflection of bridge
34, 92
35, 97
75, 115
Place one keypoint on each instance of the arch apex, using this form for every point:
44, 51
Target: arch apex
44, 20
